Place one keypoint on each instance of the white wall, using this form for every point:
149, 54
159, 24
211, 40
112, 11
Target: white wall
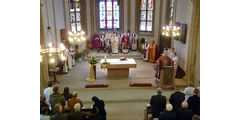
53, 16
132, 19
183, 15
59, 14
126, 12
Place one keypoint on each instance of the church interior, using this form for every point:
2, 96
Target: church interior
121, 53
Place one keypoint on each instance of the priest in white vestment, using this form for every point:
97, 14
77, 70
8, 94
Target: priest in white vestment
65, 67
171, 54
134, 41
108, 42
175, 60
120, 36
72, 50
69, 58
164, 50
114, 43
146, 50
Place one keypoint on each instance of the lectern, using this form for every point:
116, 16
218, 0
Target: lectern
167, 77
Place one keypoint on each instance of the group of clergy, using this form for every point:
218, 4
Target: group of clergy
112, 42
150, 53
167, 58
69, 54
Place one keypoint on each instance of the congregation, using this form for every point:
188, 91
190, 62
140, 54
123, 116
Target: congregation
182, 105
66, 106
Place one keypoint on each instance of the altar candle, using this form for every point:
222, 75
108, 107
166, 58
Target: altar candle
105, 58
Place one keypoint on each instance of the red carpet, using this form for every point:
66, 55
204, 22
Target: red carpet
140, 84
96, 85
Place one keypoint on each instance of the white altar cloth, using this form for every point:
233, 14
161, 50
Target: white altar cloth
118, 62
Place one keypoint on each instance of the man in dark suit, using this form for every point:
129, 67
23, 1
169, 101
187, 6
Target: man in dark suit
194, 102
184, 113
176, 99
158, 103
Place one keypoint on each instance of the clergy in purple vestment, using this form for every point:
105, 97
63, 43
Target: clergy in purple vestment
95, 40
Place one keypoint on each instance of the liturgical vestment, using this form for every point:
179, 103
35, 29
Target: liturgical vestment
114, 44
161, 62
153, 50
125, 43
95, 40
145, 51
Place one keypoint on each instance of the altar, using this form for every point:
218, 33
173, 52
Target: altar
118, 68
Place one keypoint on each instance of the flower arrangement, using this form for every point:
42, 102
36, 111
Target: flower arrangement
93, 60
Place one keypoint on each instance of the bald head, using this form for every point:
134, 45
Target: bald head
184, 104
169, 107
165, 53
75, 94
77, 107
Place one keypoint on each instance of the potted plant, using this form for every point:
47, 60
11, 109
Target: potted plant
76, 48
93, 60
78, 56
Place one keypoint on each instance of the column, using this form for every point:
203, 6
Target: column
193, 64
44, 78
132, 16
125, 7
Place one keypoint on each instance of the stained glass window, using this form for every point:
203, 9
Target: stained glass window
171, 12
108, 14
75, 17
146, 15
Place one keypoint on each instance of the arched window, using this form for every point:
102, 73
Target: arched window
108, 14
75, 18
146, 15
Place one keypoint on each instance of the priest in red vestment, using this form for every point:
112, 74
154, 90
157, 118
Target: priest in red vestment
125, 43
153, 50
161, 62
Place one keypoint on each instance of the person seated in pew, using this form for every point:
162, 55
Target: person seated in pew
158, 103
56, 97
47, 92
168, 113
45, 113
184, 113
67, 95
99, 108
189, 91
194, 102
77, 114
176, 99
71, 102
59, 115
